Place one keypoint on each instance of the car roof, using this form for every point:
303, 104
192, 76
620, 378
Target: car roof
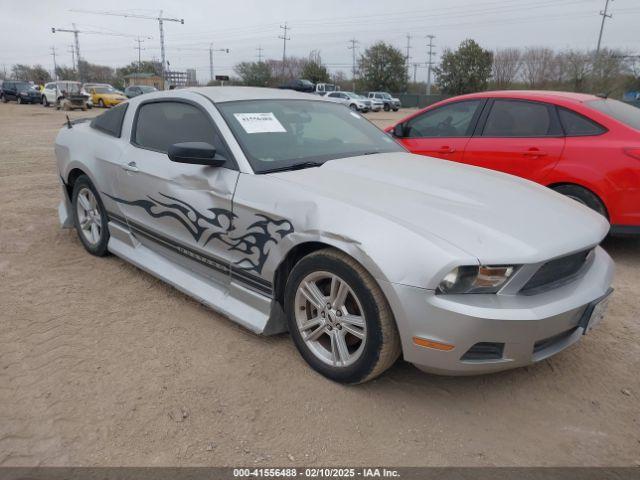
548, 95
232, 94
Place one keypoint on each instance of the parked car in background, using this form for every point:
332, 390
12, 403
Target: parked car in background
104, 97
368, 252
389, 102
12, 90
323, 88
135, 90
299, 85
53, 92
376, 104
30, 95
351, 100
583, 146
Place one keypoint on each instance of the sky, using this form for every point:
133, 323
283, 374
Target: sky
243, 26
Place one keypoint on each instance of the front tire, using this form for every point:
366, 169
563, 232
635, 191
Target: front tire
339, 319
20, 101
100, 103
583, 196
90, 217
386, 107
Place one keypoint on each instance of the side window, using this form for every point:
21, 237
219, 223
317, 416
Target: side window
161, 124
452, 120
110, 122
334, 95
514, 118
576, 125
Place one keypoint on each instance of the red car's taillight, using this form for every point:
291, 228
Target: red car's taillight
633, 152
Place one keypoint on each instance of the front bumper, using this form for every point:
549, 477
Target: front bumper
530, 327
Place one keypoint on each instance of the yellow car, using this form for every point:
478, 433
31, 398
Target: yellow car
105, 97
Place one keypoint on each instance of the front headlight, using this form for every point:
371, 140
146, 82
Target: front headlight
476, 279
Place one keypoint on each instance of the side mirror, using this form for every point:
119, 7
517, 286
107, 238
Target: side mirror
398, 130
195, 153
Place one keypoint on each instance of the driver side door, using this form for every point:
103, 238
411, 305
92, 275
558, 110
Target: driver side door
442, 132
182, 211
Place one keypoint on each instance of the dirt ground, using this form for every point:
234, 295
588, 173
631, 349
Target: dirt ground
102, 364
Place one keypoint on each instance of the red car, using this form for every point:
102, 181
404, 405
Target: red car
583, 146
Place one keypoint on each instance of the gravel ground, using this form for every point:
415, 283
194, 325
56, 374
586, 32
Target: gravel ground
102, 364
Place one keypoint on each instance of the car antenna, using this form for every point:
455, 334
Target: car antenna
69, 122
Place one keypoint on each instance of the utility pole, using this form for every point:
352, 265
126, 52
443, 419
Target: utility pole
408, 57
211, 50
260, 50
160, 19
72, 50
605, 15
55, 65
430, 62
75, 32
415, 70
353, 47
139, 48
284, 38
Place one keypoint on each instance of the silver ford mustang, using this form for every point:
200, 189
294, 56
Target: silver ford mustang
289, 213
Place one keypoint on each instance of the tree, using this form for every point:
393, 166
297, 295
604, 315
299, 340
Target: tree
383, 67
466, 70
537, 66
66, 73
35, 73
255, 74
314, 70
506, 65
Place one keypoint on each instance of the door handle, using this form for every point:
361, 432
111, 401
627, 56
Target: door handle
130, 167
445, 149
534, 152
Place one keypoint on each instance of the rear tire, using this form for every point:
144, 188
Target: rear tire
351, 337
100, 103
90, 217
20, 101
583, 196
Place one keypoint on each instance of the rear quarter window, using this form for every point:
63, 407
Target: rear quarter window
577, 125
110, 122
623, 112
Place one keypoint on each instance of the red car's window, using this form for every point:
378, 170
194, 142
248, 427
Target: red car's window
623, 112
575, 125
452, 120
516, 118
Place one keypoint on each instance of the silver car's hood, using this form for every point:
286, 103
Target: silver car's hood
493, 216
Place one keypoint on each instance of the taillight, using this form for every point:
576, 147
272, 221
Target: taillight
633, 152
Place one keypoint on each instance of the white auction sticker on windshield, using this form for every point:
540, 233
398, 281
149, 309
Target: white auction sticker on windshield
259, 122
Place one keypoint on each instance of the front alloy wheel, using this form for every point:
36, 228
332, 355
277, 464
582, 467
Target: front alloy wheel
330, 319
339, 318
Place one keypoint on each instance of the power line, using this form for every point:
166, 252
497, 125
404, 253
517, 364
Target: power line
160, 19
353, 47
430, 62
605, 15
284, 38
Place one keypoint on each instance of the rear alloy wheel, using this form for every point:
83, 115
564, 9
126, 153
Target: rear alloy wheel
583, 196
353, 106
20, 101
90, 217
339, 318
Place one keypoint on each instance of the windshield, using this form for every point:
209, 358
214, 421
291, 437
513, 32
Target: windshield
103, 90
145, 89
386, 96
276, 134
623, 112
23, 86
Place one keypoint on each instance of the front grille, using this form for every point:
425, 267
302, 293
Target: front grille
555, 273
484, 351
